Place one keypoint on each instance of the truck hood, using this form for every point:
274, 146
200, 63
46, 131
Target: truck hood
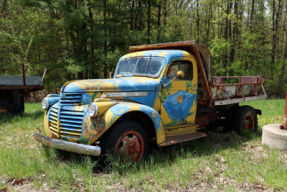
90, 89
103, 85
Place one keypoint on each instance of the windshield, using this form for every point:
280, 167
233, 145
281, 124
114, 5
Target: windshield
140, 66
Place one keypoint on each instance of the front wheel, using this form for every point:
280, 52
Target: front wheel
245, 120
127, 140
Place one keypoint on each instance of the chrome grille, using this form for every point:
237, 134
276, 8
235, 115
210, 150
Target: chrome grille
70, 125
70, 98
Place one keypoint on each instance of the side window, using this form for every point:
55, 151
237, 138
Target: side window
184, 66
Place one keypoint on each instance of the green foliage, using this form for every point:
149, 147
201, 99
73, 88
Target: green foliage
84, 39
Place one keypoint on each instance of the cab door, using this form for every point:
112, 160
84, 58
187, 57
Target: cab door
179, 97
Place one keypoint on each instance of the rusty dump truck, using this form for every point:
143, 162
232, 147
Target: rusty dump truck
13, 89
162, 92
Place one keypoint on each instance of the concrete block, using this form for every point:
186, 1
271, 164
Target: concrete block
274, 137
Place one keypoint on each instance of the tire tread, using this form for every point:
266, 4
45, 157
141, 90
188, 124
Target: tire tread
239, 117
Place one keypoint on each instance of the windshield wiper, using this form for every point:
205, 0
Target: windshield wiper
136, 66
147, 63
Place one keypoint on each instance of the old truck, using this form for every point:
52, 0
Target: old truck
162, 92
13, 89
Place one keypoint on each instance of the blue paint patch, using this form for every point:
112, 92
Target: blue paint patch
152, 114
165, 80
53, 100
86, 98
120, 109
135, 84
151, 86
178, 105
56, 105
146, 100
73, 88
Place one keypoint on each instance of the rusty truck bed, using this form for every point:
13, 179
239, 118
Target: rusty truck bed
248, 88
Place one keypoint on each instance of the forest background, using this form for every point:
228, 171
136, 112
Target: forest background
83, 39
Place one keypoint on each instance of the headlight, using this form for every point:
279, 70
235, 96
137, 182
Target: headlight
93, 109
45, 103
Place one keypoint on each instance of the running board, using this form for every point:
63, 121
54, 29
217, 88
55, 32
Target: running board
171, 140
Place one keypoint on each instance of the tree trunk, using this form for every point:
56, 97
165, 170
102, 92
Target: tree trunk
234, 37
274, 36
281, 81
218, 24
197, 20
164, 13
148, 22
158, 21
226, 37
105, 42
131, 15
251, 14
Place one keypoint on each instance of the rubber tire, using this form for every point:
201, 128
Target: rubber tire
227, 127
109, 142
240, 115
8, 106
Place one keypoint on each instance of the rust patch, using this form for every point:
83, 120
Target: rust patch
203, 120
284, 126
171, 140
93, 129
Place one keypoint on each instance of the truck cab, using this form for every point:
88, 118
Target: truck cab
162, 92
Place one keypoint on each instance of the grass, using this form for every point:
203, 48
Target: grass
219, 162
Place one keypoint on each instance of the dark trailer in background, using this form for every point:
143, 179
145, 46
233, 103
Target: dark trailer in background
13, 89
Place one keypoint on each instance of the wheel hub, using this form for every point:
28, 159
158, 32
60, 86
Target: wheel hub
248, 123
130, 146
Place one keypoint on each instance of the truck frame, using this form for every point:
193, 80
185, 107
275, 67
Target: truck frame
159, 91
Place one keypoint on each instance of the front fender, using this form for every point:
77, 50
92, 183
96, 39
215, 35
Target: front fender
94, 128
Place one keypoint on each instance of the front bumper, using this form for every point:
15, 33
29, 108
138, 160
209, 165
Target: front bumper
68, 146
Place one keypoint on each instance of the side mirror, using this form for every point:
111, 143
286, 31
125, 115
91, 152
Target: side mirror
179, 74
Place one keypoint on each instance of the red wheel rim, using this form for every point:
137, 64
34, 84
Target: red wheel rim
248, 123
130, 146
4, 111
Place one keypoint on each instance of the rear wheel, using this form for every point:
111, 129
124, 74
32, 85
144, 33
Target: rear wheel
245, 120
127, 140
5, 108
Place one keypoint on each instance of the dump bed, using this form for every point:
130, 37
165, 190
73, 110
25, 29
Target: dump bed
214, 90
